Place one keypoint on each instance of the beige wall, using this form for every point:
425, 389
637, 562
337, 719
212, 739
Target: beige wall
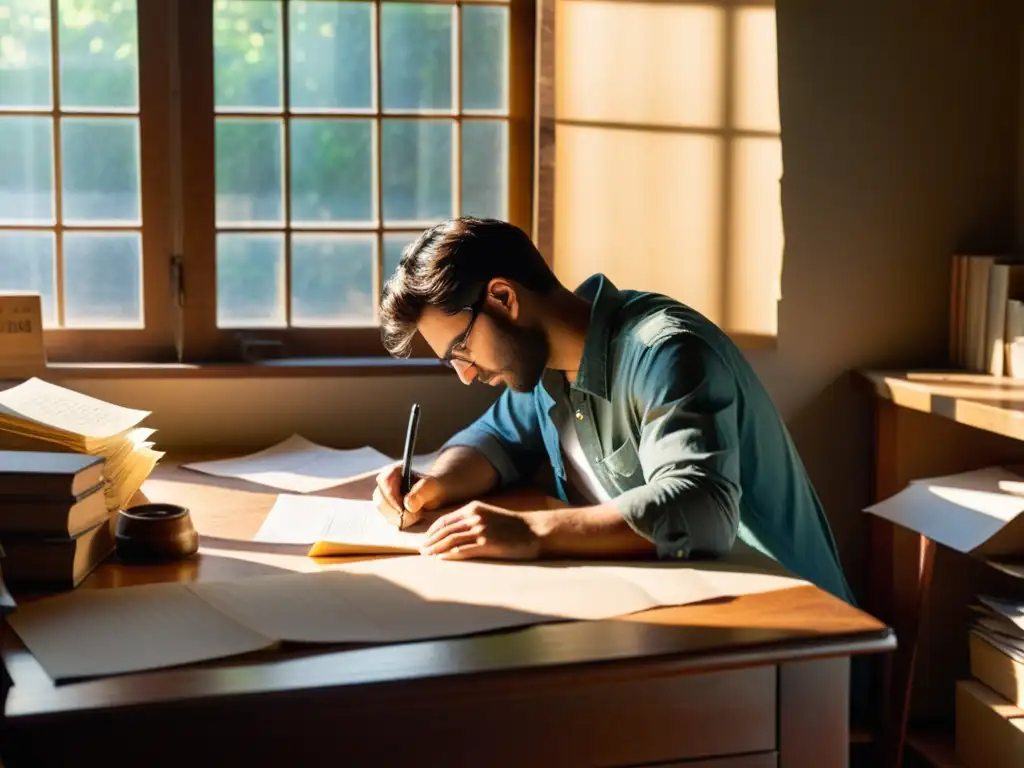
899, 124
249, 413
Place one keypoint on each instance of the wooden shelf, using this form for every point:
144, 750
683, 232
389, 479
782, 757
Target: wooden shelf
990, 403
936, 749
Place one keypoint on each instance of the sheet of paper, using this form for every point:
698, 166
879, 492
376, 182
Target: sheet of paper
557, 590
297, 465
57, 408
91, 632
333, 527
1013, 610
337, 606
962, 511
1010, 568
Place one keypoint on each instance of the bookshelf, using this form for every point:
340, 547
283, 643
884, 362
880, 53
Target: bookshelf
929, 423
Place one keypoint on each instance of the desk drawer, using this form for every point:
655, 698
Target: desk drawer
608, 724
694, 720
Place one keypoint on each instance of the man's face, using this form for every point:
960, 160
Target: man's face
490, 347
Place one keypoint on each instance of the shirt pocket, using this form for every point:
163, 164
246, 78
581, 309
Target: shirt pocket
623, 464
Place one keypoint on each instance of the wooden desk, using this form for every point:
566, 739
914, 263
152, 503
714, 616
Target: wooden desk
744, 683
929, 424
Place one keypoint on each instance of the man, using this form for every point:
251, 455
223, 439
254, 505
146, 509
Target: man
661, 437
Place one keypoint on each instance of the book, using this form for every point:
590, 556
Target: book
53, 516
38, 415
989, 729
982, 323
998, 664
48, 474
58, 563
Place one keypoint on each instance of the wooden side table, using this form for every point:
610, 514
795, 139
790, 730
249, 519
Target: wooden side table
930, 424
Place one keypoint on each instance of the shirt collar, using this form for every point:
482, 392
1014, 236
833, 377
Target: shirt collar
594, 374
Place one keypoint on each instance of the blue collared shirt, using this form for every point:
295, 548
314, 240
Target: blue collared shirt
679, 431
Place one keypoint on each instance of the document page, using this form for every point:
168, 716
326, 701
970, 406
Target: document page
334, 527
297, 465
58, 409
91, 632
962, 512
108, 631
341, 607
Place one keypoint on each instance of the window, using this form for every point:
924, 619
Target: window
209, 173
80, 221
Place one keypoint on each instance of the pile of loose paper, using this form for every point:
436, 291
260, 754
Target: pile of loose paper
38, 415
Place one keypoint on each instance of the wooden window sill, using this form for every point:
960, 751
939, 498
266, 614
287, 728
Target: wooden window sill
297, 367
344, 367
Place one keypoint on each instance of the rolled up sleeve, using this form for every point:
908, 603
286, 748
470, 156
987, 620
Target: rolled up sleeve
508, 435
686, 402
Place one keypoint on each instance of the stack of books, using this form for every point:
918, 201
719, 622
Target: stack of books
986, 314
990, 706
37, 415
55, 526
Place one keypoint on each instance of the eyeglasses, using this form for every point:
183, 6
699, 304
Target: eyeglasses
459, 343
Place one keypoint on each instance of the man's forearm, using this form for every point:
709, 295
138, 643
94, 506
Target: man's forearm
597, 531
464, 473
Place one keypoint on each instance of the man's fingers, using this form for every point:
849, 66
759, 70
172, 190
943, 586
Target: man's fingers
426, 493
455, 539
418, 495
389, 483
469, 552
385, 507
453, 522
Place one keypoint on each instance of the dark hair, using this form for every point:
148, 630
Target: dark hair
449, 267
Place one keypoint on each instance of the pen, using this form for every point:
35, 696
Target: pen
410, 447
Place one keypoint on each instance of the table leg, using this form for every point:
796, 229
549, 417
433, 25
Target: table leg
814, 713
910, 609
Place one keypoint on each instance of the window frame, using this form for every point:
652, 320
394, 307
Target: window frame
154, 341
200, 340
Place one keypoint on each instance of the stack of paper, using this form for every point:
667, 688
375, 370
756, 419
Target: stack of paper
302, 466
37, 411
997, 646
1001, 622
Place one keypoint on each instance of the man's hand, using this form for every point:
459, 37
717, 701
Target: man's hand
482, 530
426, 493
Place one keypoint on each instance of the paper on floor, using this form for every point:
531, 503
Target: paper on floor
333, 527
386, 600
302, 466
969, 512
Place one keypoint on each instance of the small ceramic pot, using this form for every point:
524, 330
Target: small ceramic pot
155, 533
